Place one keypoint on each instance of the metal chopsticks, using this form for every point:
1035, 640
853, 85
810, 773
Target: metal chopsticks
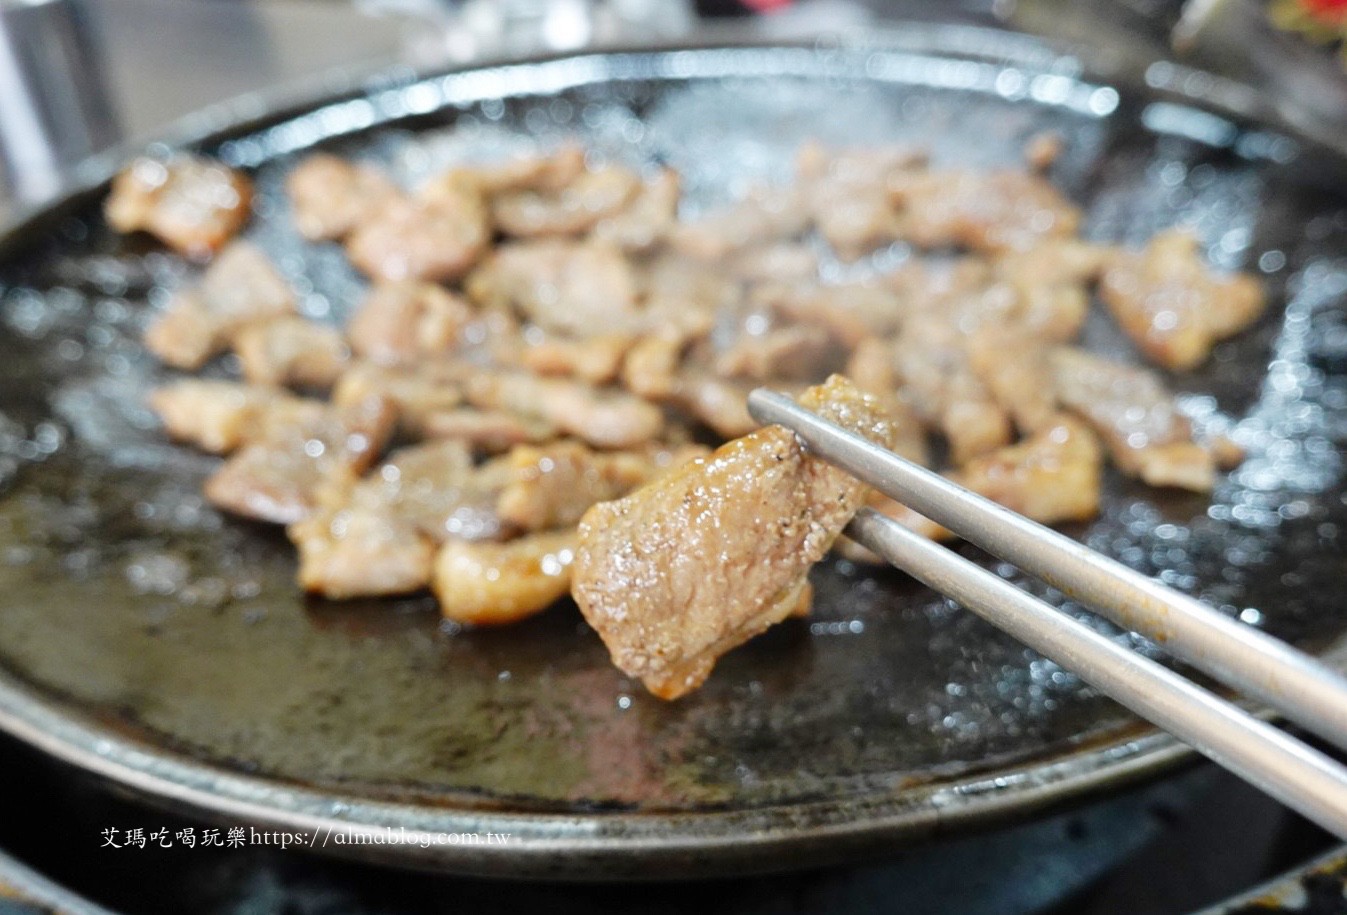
1293, 683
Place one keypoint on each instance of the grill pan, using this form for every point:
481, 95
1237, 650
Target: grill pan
150, 640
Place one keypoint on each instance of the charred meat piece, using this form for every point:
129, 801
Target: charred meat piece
437, 235
331, 196
278, 477
603, 418
402, 322
190, 203
437, 489
709, 555
564, 287
240, 287
1172, 305
379, 535
291, 351
983, 211
489, 584
571, 209
1136, 417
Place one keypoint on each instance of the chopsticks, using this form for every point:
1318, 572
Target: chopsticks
1252, 662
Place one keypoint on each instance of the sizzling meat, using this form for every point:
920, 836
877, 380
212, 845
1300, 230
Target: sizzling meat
706, 557
490, 584
1136, 417
1171, 304
192, 204
332, 197
437, 235
404, 321
544, 340
241, 287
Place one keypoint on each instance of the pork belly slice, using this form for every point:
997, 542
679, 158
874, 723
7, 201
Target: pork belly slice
277, 477
190, 203
491, 584
571, 209
983, 211
1173, 306
716, 551
566, 287
437, 235
1136, 416
406, 321
378, 535
647, 218
240, 287
604, 418
332, 196
291, 351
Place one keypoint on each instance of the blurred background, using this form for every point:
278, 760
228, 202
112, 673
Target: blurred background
77, 76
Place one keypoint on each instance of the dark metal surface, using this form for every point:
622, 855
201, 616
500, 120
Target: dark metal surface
147, 638
1318, 888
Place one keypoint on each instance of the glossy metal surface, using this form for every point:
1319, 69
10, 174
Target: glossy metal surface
152, 641
55, 110
1304, 689
1290, 771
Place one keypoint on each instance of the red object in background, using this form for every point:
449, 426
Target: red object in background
772, 6
1329, 12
